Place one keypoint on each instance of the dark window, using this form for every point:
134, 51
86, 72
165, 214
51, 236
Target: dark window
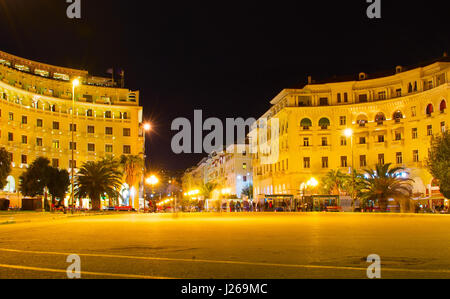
91, 129
24, 120
39, 123
126, 132
91, 147
307, 162
323, 101
108, 130
344, 161
127, 149
55, 125
324, 162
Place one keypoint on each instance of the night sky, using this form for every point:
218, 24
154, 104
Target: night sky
224, 57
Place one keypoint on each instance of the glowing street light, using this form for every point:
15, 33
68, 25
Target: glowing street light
147, 127
152, 180
348, 132
313, 183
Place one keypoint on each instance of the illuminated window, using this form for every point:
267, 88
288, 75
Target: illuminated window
55, 144
244, 165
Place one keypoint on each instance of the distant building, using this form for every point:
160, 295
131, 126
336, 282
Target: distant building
36, 113
231, 169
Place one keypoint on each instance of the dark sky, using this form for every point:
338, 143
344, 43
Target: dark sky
228, 58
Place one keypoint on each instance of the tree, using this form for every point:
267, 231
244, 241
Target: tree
334, 182
96, 179
35, 179
58, 184
207, 189
248, 191
133, 166
384, 183
439, 162
5, 167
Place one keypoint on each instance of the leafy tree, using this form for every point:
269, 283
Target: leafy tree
133, 166
5, 167
439, 161
35, 179
95, 179
384, 183
207, 189
248, 191
334, 182
58, 184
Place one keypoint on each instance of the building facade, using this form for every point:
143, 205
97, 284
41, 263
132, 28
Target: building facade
392, 119
230, 169
36, 118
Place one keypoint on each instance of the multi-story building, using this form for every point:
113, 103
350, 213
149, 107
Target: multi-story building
230, 169
392, 119
36, 117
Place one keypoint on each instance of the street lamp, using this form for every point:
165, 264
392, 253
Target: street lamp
75, 83
152, 181
349, 134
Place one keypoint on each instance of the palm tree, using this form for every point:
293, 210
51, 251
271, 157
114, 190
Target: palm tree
133, 166
384, 183
96, 179
334, 182
207, 189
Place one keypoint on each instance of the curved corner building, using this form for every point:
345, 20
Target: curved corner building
36, 117
393, 119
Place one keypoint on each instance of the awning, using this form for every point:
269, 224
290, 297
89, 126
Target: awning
324, 122
306, 122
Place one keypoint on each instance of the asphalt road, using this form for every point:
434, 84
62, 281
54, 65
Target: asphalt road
226, 245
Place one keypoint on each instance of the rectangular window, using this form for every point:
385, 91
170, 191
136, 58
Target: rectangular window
381, 159
363, 161
127, 149
108, 114
55, 163
91, 147
306, 162
398, 136
306, 142
413, 111
399, 158
72, 127
24, 139
55, 125
430, 130
362, 140
91, 129
380, 138
11, 116
339, 100
10, 137
345, 97
324, 162
72, 164
415, 133
398, 92
24, 120
343, 141
108, 148
324, 141
126, 132
55, 144
39, 142
24, 159
108, 130
443, 127
73, 146
343, 120
344, 161
323, 101
39, 123
415, 156
382, 95
362, 98
244, 165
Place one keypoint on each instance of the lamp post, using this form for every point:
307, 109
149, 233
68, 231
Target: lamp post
349, 134
75, 83
152, 181
147, 127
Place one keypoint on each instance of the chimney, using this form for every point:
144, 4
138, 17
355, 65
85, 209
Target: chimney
398, 69
309, 80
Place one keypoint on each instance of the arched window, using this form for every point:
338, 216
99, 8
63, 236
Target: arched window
443, 106
324, 123
306, 123
430, 109
125, 115
380, 118
398, 116
362, 120
53, 108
